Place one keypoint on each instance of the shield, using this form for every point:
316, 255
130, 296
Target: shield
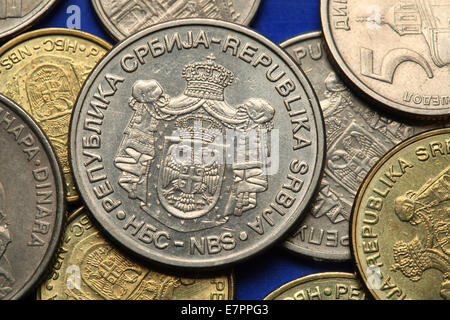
109, 274
190, 177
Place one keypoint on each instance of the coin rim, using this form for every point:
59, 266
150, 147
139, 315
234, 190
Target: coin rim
29, 22
289, 224
231, 277
363, 188
115, 33
56, 32
46, 261
362, 89
309, 253
308, 278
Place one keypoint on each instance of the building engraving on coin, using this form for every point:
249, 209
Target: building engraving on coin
10, 9
134, 15
6, 273
194, 173
412, 17
16, 15
126, 17
427, 209
395, 38
189, 186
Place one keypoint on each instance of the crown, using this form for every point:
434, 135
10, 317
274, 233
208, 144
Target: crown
207, 79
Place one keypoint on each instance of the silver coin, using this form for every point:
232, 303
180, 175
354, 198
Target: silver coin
357, 136
393, 52
32, 206
16, 15
125, 17
197, 143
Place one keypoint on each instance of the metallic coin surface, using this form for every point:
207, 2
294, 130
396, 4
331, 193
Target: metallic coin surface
321, 286
89, 267
43, 72
357, 136
401, 221
16, 15
32, 203
197, 143
395, 53
125, 17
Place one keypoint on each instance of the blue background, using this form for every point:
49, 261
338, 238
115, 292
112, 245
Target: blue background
277, 20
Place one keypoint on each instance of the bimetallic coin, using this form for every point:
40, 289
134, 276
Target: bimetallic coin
197, 143
321, 286
357, 136
395, 53
88, 267
125, 17
43, 72
401, 222
32, 206
16, 15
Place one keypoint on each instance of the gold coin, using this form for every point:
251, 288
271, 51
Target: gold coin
88, 267
43, 71
321, 286
401, 221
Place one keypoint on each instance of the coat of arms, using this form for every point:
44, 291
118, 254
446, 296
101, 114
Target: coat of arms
109, 274
429, 208
174, 157
356, 138
6, 277
48, 91
352, 150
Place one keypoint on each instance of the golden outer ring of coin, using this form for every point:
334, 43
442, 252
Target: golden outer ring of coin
363, 189
56, 32
71, 216
309, 278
